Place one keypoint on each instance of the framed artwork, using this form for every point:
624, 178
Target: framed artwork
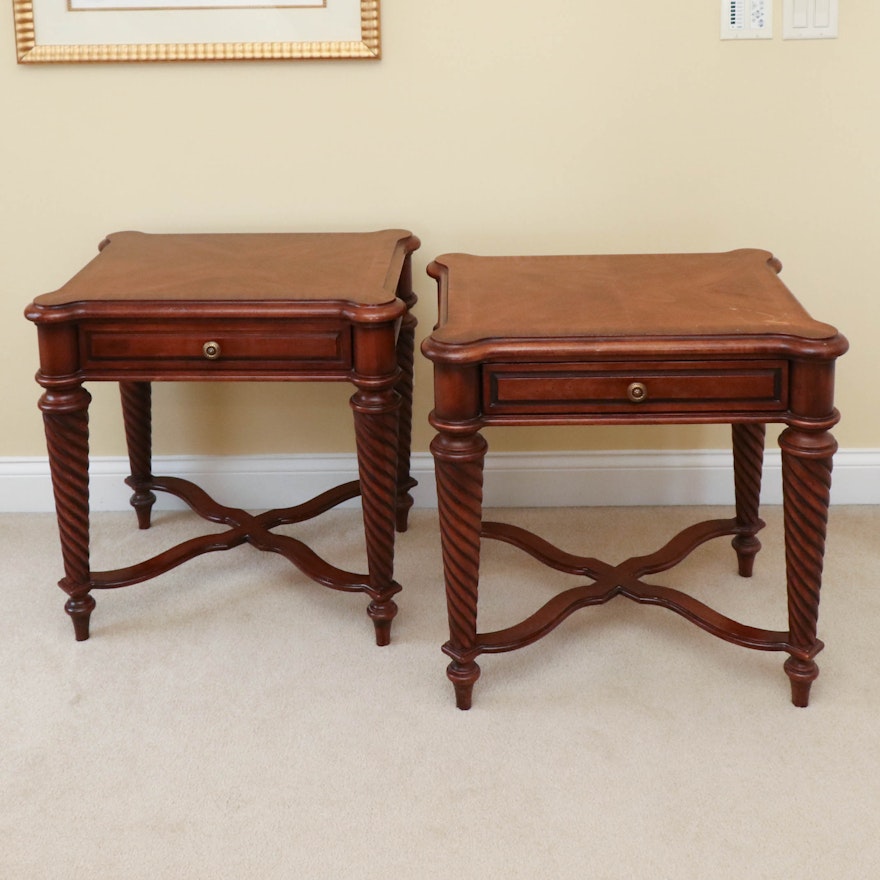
66, 31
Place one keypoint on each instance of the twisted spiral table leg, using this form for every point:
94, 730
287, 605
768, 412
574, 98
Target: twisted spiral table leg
66, 422
806, 483
748, 461
137, 415
459, 470
376, 421
404, 387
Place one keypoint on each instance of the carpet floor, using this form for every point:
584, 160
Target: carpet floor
231, 719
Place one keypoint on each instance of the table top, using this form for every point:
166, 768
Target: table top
732, 294
361, 268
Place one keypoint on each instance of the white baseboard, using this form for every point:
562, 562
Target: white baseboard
538, 479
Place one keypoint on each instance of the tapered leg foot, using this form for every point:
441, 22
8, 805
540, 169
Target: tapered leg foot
142, 502
806, 488
375, 422
802, 674
748, 462
463, 677
137, 415
747, 547
80, 611
382, 613
459, 471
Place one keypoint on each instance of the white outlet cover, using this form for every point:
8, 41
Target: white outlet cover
809, 19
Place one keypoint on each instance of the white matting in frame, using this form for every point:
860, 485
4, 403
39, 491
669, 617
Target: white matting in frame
57, 31
119, 5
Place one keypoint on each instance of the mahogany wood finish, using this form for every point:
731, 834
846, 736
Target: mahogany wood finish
632, 340
240, 307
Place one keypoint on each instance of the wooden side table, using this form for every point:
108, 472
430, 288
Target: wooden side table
632, 340
238, 307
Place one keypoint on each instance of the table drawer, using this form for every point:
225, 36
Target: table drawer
648, 387
246, 344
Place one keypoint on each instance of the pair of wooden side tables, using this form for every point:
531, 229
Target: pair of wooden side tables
577, 340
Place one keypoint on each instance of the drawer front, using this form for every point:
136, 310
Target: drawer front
287, 346
670, 387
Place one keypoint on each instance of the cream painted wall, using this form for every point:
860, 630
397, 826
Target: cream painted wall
493, 127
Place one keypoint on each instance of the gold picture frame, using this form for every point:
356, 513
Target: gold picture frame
88, 31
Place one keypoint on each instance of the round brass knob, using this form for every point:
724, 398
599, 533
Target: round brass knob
211, 350
637, 392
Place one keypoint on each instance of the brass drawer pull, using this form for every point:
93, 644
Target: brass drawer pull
211, 350
637, 392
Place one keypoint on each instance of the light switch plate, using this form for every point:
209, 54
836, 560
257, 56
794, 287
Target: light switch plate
809, 19
746, 19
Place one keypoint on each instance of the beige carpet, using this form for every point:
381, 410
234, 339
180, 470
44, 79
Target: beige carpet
233, 720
